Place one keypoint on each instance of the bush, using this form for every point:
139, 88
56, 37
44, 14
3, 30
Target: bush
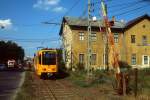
61, 66
80, 66
102, 76
123, 64
79, 78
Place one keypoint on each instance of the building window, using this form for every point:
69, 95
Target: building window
93, 36
93, 59
81, 36
81, 58
144, 40
145, 60
132, 38
116, 36
133, 59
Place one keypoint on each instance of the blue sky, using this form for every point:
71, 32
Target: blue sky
23, 18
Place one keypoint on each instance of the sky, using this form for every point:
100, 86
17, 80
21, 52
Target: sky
24, 19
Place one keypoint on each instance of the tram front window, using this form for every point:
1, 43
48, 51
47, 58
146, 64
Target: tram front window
49, 58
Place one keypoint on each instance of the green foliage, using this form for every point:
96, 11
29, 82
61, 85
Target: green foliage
61, 63
103, 76
10, 50
97, 77
61, 66
79, 78
80, 66
144, 80
124, 65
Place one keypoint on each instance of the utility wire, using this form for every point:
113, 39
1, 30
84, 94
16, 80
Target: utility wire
27, 25
129, 11
84, 12
32, 41
72, 7
21, 39
124, 4
123, 7
99, 1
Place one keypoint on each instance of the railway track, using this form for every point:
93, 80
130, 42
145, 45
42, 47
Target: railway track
54, 90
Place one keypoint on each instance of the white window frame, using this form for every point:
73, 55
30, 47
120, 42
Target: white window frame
93, 36
143, 62
116, 37
81, 36
133, 59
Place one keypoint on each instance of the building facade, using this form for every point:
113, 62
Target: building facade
137, 37
132, 41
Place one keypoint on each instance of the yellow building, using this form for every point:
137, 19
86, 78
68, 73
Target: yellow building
137, 39
131, 41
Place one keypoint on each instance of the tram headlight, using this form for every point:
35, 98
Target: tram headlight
44, 69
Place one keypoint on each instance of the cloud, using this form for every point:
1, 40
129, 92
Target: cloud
52, 5
59, 9
6, 23
52, 2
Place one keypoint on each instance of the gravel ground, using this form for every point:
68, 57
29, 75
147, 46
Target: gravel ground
63, 89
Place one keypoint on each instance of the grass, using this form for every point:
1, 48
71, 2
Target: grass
144, 81
102, 77
79, 78
26, 91
98, 77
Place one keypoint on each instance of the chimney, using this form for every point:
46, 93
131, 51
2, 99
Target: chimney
113, 19
112, 22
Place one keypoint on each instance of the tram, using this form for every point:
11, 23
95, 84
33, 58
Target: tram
45, 62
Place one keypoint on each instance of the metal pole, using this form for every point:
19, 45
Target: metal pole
106, 53
89, 40
136, 80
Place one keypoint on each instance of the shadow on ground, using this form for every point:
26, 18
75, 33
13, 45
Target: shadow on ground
12, 70
60, 75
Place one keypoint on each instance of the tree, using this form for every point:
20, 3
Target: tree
10, 50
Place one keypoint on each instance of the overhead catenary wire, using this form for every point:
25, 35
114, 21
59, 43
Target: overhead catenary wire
84, 12
65, 14
99, 1
29, 39
124, 4
124, 7
131, 10
127, 11
72, 7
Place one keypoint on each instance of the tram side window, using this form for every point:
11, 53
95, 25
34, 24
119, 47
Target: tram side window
39, 59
